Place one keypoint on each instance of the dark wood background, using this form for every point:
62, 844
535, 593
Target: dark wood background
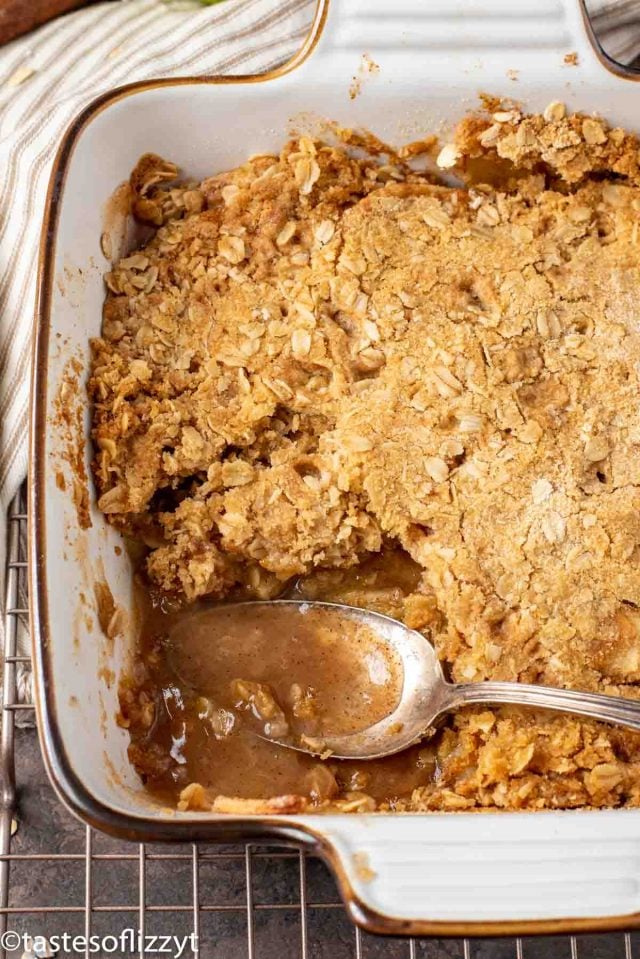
20, 16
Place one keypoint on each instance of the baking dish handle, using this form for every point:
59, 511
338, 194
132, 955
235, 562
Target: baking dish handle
366, 42
486, 873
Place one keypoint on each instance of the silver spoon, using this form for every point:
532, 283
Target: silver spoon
426, 695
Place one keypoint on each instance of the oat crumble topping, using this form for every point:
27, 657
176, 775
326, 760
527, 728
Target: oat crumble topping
316, 355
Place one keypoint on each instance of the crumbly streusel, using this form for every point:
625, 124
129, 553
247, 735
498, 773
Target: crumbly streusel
315, 355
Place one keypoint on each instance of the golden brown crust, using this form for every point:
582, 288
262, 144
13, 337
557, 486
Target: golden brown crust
318, 359
571, 147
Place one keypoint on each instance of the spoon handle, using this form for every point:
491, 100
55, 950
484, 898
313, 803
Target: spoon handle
609, 709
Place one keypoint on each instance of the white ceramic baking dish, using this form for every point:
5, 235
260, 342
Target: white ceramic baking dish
432, 874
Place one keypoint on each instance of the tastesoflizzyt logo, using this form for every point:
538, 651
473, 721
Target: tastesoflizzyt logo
127, 942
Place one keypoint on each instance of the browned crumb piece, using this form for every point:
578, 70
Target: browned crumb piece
362, 867
194, 797
290, 805
69, 420
278, 805
110, 615
350, 802
418, 147
572, 147
150, 204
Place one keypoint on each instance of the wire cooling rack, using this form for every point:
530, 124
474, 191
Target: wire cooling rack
240, 901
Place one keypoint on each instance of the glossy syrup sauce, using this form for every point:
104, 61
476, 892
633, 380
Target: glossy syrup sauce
211, 681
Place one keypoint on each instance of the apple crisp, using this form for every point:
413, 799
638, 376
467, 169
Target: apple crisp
318, 359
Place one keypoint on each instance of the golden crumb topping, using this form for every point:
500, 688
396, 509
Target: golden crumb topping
315, 355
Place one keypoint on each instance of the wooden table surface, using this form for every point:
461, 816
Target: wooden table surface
20, 16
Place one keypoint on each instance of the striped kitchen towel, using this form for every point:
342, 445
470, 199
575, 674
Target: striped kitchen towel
46, 78
616, 24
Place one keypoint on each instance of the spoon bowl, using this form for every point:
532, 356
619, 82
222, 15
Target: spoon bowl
426, 695
423, 698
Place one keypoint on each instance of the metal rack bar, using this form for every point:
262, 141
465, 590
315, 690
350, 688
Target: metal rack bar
304, 934
88, 887
358, 944
250, 904
142, 897
293, 907
203, 906
134, 857
9, 694
195, 877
